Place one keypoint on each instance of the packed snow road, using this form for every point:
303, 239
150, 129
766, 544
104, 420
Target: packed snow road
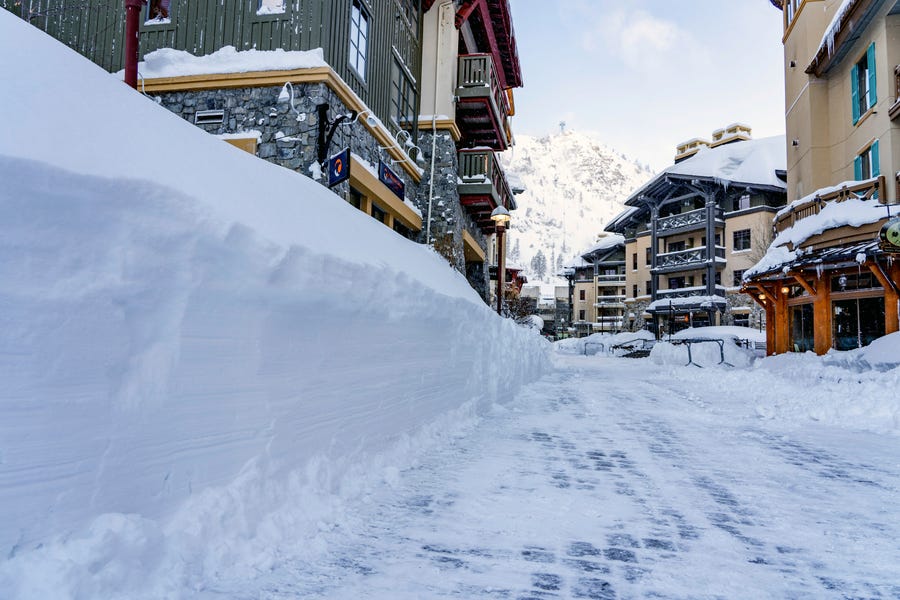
615, 478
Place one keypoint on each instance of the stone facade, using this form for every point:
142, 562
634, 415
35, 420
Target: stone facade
288, 139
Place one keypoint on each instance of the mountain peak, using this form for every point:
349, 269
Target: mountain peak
574, 185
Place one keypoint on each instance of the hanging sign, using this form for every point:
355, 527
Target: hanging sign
889, 238
387, 176
339, 167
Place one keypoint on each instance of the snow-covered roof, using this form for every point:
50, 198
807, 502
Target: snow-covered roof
606, 242
167, 62
750, 162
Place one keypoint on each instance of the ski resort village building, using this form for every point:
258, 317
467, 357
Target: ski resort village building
597, 279
829, 279
692, 231
399, 105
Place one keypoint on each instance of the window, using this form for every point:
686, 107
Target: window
676, 246
359, 38
581, 315
403, 97
791, 7
355, 198
867, 165
649, 288
863, 84
738, 278
741, 240
158, 12
647, 258
581, 294
634, 261
378, 214
634, 289
409, 10
676, 283
743, 203
270, 7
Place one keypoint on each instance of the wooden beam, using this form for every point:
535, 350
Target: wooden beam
798, 277
822, 334
891, 297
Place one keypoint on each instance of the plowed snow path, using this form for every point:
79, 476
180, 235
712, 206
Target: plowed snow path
607, 479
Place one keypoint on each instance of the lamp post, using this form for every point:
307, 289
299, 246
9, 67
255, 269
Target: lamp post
500, 217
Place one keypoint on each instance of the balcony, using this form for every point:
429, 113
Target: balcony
685, 222
687, 292
686, 260
482, 106
617, 280
610, 302
863, 190
482, 186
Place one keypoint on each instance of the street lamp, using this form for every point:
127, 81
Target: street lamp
500, 217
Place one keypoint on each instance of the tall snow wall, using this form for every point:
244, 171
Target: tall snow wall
198, 348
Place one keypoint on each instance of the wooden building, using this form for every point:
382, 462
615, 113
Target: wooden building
827, 282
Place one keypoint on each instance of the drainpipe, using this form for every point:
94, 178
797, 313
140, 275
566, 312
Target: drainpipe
132, 34
437, 56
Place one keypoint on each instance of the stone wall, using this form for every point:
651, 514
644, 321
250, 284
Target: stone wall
289, 141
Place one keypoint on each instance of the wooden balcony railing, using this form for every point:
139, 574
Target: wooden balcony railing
863, 190
685, 221
480, 95
686, 258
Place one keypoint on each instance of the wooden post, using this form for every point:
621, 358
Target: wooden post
782, 322
770, 329
822, 316
891, 318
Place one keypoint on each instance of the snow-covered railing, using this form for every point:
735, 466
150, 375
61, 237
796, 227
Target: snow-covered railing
618, 278
687, 292
688, 219
864, 190
686, 257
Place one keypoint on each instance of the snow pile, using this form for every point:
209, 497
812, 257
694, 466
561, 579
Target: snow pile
600, 343
707, 353
167, 62
203, 355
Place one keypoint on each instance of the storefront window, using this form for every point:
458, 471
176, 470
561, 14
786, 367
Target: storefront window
802, 328
857, 322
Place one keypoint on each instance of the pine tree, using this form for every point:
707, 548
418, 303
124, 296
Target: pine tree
539, 264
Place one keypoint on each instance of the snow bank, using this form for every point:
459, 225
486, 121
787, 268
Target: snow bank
704, 354
202, 354
599, 343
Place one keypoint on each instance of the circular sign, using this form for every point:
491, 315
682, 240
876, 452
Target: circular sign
890, 236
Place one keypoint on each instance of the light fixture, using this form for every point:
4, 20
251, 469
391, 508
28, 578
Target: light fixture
842, 281
785, 290
762, 296
795, 142
287, 95
500, 216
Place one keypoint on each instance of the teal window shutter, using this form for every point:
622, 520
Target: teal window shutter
857, 168
854, 94
870, 59
876, 164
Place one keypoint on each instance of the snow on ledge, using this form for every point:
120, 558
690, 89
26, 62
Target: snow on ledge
167, 62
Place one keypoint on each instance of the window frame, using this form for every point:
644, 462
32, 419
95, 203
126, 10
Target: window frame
403, 95
741, 234
867, 164
864, 85
354, 53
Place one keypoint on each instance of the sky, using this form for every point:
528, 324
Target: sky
646, 75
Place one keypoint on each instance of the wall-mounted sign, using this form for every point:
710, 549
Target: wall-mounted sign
387, 176
339, 167
889, 237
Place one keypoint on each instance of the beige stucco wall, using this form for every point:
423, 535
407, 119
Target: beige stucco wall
642, 275
440, 53
818, 113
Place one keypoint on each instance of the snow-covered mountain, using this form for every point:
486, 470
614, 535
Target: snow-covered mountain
574, 185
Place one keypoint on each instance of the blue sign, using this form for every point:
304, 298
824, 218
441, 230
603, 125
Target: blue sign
390, 179
339, 167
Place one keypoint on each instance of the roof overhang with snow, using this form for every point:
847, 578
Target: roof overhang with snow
848, 26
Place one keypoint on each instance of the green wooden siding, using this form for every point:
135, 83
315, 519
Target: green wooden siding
96, 30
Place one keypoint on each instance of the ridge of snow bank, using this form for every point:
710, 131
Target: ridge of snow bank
203, 354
